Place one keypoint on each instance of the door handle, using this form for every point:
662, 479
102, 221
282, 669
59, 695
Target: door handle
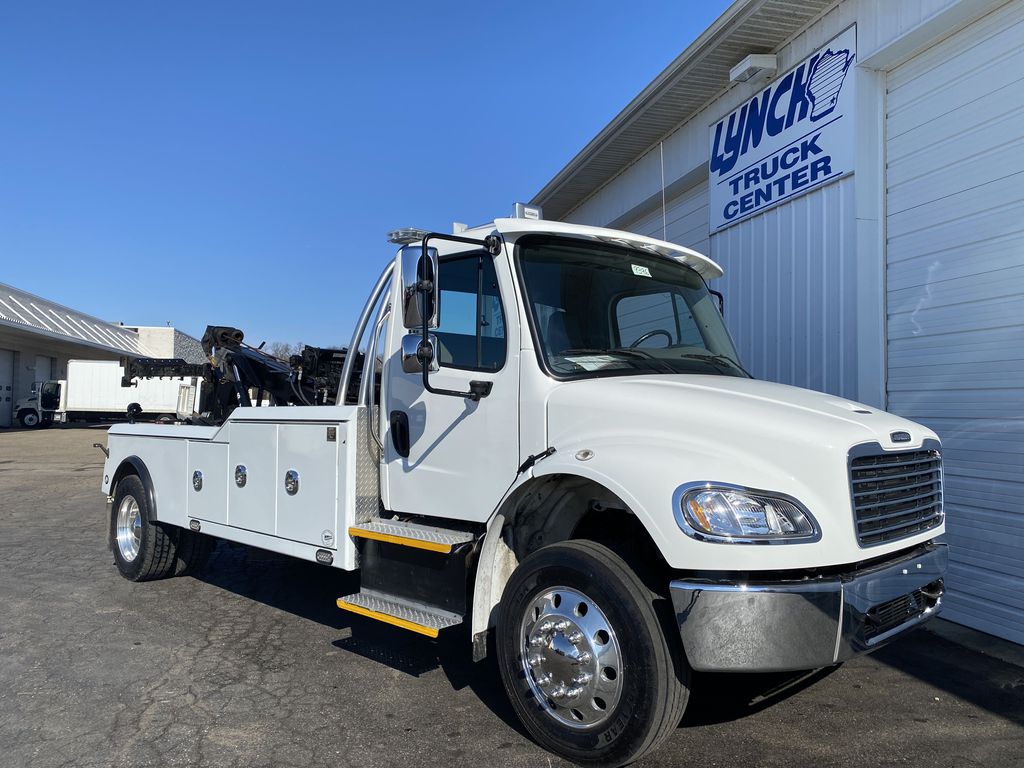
400, 433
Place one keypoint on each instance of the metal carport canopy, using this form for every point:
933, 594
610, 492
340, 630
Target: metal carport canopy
24, 314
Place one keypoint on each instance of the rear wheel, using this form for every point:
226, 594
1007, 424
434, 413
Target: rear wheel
589, 656
143, 549
193, 551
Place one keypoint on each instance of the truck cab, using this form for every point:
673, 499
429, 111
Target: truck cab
39, 407
554, 442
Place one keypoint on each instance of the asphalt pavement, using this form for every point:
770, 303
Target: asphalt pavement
252, 665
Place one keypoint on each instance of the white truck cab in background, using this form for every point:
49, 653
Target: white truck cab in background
555, 443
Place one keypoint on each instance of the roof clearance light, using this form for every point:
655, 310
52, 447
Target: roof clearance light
524, 211
755, 65
406, 235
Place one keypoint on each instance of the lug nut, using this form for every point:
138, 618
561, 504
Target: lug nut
562, 625
572, 693
559, 693
575, 637
535, 661
583, 678
546, 627
585, 658
543, 679
537, 641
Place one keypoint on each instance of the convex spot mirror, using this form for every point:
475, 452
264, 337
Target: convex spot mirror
420, 305
412, 359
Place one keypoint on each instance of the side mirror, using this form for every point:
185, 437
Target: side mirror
420, 306
414, 353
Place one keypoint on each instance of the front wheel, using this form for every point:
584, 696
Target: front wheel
28, 419
588, 657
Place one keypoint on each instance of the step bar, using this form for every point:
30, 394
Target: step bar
390, 609
442, 540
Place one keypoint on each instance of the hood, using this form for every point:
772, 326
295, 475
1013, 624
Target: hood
735, 409
646, 436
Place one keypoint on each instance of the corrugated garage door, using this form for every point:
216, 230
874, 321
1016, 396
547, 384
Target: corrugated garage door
955, 284
6, 387
685, 220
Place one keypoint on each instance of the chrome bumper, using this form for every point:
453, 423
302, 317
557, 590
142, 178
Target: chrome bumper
783, 626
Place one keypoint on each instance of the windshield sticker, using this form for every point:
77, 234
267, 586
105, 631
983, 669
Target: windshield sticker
640, 271
598, 362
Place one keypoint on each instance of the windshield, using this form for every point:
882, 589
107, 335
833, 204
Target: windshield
601, 310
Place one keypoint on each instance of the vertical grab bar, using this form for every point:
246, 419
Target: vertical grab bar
370, 376
357, 335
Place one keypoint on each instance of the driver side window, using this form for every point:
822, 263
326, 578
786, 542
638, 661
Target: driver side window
663, 317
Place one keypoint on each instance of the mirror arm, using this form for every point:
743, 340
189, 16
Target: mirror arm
477, 389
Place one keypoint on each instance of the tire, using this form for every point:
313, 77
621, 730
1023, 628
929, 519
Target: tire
28, 419
193, 552
639, 682
143, 549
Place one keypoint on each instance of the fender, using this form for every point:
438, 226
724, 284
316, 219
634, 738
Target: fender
134, 465
497, 561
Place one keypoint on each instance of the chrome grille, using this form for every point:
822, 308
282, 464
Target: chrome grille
895, 495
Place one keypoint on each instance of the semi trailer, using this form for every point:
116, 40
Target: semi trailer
551, 441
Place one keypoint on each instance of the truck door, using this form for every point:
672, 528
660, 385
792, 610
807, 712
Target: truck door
461, 455
49, 397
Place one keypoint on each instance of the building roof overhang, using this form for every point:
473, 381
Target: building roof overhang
687, 85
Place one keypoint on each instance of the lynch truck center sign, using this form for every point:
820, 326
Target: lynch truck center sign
794, 136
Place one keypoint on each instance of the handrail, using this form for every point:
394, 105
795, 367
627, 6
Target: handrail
357, 335
370, 376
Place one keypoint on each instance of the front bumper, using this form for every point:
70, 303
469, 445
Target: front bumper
793, 625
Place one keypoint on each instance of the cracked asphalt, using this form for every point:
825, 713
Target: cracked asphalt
252, 665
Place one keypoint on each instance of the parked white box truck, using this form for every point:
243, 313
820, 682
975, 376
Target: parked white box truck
93, 392
561, 449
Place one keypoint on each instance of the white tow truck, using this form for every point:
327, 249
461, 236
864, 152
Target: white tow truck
553, 442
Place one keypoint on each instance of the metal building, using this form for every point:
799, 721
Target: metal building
858, 169
38, 337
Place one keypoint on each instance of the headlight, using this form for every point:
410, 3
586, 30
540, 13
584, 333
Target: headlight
728, 513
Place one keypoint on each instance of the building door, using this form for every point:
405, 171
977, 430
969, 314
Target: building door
955, 289
44, 368
6, 387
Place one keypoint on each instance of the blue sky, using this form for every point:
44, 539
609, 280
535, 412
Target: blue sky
240, 163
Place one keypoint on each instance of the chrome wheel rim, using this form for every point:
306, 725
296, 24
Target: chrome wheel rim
571, 657
129, 528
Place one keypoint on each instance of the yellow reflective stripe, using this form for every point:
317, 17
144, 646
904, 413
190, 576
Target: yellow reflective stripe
404, 541
410, 625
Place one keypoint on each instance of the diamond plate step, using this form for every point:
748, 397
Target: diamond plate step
400, 613
411, 535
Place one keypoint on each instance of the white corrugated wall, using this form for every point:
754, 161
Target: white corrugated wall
955, 285
790, 290
685, 220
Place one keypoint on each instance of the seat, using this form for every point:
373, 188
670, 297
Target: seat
556, 334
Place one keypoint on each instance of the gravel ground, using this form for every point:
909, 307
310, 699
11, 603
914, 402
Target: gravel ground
252, 665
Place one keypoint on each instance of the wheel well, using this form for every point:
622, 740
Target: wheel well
548, 510
133, 465
563, 507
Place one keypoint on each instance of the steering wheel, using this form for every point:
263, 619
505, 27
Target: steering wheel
651, 334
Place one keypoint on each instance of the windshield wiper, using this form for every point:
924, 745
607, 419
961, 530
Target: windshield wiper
720, 360
655, 362
613, 351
